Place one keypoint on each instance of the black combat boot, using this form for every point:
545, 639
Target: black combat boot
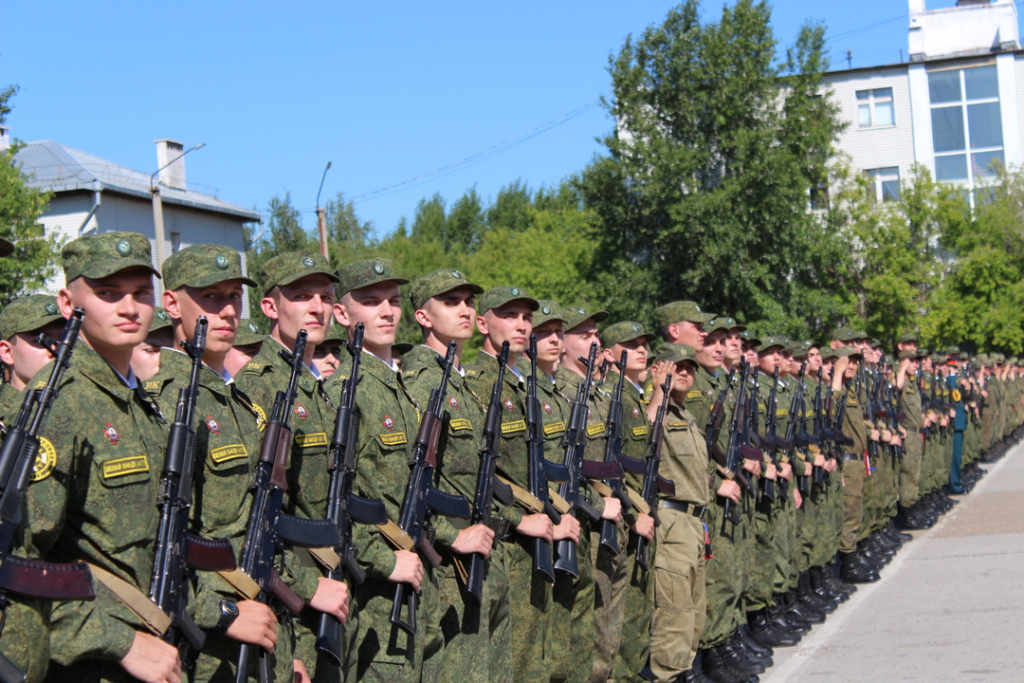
821, 587
801, 610
737, 659
857, 568
754, 653
715, 668
895, 534
807, 595
767, 634
783, 618
743, 633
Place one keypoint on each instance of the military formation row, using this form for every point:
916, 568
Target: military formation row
568, 506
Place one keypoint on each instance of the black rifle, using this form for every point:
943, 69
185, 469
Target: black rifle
771, 423
539, 469
715, 420
798, 419
21, 576
613, 453
577, 467
654, 483
734, 451
269, 527
422, 497
751, 438
819, 474
487, 484
175, 547
343, 506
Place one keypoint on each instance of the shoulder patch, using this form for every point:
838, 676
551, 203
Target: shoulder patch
261, 417
681, 424
152, 385
46, 460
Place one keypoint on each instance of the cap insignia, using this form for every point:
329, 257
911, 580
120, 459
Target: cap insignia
378, 268
51, 309
308, 262
123, 248
222, 261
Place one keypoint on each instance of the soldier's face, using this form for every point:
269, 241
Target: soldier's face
750, 354
238, 356
851, 369
733, 347
510, 323
450, 316
813, 360
577, 341
787, 365
379, 308
25, 356
826, 368
714, 350
327, 358
302, 305
690, 333
549, 341
636, 355
683, 378
926, 364
146, 360
769, 359
221, 303
118, 308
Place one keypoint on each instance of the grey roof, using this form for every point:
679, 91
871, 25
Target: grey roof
56, 167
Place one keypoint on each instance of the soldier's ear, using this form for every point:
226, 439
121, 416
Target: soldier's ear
171, 304
481, 323
65, 302
5, 353
422, 318
268, 305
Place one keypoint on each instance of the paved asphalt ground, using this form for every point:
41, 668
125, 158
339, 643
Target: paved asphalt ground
949, 607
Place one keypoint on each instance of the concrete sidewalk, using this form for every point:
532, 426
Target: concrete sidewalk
949, 607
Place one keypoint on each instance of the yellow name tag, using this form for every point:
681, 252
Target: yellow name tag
640, 431
694, 394
135, 464
226, 453
781, 412
678, 425
513, 427
395, 439
311, 440
460, 424
554, 428
595, 429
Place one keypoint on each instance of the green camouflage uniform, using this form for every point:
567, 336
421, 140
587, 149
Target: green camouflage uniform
913, 451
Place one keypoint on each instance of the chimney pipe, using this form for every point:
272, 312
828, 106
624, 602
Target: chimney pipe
174, 174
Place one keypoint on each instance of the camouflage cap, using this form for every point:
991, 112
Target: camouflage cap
724, 322
845, 334
874, 343
203, 265
161, 320
292, 266
675, 353
798, 348
439, 282
496, 297
952, 350
909, 353
842, 352
28, 314
769, 341
102, 254
548, 311
366, 272
938, 358
749, 337
248, 334
577, 315
623, 332
6, 247
678, 311
911, 336
982, 359
402, 348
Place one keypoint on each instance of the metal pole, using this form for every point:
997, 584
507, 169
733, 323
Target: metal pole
321, 215
158, 206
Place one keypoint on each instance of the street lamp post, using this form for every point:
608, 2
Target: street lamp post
158, 206
321, 215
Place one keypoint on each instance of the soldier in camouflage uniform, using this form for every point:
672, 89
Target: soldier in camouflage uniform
679, 599
248, 342
591, 608
638, 594
297, 290
146, 356
24, 638
476, 638
207, 279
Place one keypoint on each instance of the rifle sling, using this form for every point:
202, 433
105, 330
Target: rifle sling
241, 583
396, 536
152, 616
327, 558
524, 497
560, 504
635, 498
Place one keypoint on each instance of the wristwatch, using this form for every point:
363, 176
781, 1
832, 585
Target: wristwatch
228, 614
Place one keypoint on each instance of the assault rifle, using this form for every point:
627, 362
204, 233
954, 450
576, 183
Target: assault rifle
735, 450
487, 484
654, 483
175, 547
771, 424
613, 453
343, 506
819, 438
421, 496
566, 559
31, 578
797, 417
269, 527
539, 469
715, 420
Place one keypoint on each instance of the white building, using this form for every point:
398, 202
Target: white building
955, 107
95, 195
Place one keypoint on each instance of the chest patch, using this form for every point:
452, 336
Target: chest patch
694, 394
227, 453
301, 412
212, 425
513, 427
121, 467
547, 407
46, 460
509, 405
388, 423
554, 428
111, 433
311, 440
453, 402
640, 431
395, 439
460, 424
636, 412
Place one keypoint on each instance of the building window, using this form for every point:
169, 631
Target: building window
875, 108
886, 183
819, 197
967, 128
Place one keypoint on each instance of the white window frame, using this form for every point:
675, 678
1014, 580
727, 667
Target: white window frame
882, 175
870, 101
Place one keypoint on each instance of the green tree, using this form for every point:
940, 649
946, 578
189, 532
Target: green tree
704, 191
283, 233
35, 256
349, 238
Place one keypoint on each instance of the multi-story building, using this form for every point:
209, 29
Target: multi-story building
954, 107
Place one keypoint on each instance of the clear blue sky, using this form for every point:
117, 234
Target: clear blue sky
387, 91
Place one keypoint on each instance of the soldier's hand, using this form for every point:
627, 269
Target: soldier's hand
151, 660
730, 489
819, 460
752, 466
569, 528
255, 624
785, 471
644, 526
830, 465
770, 473
475, 539
798, 500
896, 441
331, 597
886, 436
537, 526
903, 432
874, 435
408, 569
301, 675
612, 510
